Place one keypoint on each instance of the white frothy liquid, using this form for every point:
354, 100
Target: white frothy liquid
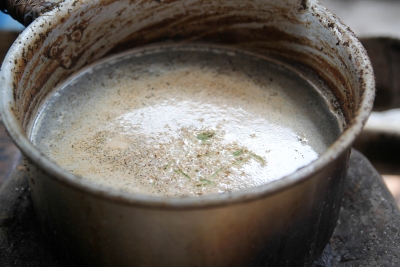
185, 121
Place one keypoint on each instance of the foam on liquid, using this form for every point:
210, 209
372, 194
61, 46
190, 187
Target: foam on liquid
185, 121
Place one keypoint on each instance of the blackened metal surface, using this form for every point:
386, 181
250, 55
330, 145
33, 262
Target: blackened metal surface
367, 233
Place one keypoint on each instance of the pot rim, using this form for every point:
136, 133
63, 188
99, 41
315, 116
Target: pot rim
338, 148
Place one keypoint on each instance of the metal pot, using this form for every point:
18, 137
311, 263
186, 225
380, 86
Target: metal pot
285, 223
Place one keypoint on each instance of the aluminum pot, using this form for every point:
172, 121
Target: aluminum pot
285, 223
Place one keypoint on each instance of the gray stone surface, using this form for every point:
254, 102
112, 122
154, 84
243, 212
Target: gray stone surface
367, 233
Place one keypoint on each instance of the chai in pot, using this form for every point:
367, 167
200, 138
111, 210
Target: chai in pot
186, 121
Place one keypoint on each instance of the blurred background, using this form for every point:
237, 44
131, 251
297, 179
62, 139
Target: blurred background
8, 24
377, 24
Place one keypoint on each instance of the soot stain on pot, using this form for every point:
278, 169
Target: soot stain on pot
332, 25
165, 1
170, 30
158, 33
62, 50
76, 35
76, 31
19, 80
303, 5
32, 93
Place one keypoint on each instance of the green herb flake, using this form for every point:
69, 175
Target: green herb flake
204, 182
238, 152
166, 166
258, 158
179, 171
241, 160
216, 173
205, 136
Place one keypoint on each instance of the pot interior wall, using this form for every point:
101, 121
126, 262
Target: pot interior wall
74, 35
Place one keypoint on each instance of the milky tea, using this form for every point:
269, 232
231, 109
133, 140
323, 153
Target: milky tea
186, 121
